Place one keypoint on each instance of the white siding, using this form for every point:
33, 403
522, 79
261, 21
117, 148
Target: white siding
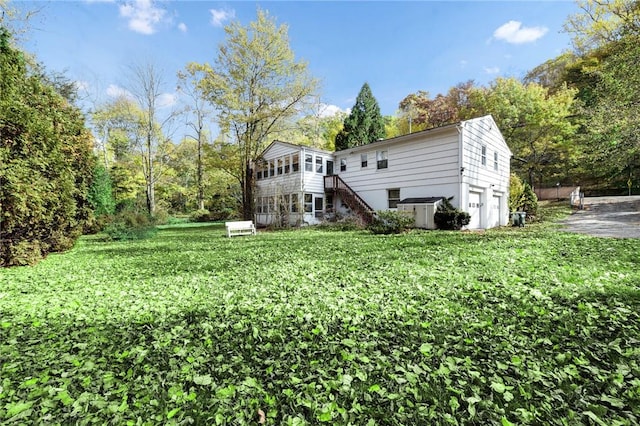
483, 178
420, 165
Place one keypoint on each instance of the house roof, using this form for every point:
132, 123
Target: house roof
421, 200
294, 146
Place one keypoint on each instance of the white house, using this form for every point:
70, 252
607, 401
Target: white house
468, 161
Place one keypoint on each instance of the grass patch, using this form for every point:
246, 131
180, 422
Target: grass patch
526, 326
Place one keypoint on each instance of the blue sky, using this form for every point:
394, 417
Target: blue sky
397, 47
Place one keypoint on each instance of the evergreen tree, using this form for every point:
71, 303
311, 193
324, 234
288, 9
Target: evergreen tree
46, 164
365, 123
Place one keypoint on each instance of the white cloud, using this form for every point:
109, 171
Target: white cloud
182, 27
81, 85
325, 110
166, 100
220, 16
513, 32
143, 16
114, 91
491, 70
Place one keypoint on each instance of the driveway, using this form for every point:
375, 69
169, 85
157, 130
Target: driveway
617, 217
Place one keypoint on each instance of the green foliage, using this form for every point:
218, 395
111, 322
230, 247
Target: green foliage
200, 216
449, 217
391, 222
350, 222
131, 225
529, 326
101, 192
516, 193
46, 164
364, 124
255, 79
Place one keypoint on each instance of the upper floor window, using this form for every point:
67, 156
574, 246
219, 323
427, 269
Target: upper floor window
495, 161
343, 164
484, 155
279, 166
318, 164
295, 163
308, 162
381, 159
363, 160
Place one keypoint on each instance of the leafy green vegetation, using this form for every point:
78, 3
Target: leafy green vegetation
512, 326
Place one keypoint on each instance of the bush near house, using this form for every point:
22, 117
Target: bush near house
449, 218
390, 222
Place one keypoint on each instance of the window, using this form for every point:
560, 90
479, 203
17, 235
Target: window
363, 160
393, 195
279, 165
286, 160
270, 205
259, 205
343, 164
294, 203
308, 162
318, 164
319, 206
308, 203
381, 158
259, 174
295, 163
484, 155
495, 161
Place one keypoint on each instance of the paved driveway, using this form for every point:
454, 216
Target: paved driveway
607, 217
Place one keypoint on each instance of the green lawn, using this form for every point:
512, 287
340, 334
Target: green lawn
512, 326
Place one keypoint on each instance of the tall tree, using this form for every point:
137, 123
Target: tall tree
601, 22
254, 85
535, 123
146, 83
364, 124
422, 112
46, 163
614, 114
197, 114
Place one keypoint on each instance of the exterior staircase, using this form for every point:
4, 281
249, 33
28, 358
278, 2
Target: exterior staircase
335, 185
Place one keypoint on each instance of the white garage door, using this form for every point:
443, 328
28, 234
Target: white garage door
494, 216
474, 209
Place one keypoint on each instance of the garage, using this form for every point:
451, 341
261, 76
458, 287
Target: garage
474, 209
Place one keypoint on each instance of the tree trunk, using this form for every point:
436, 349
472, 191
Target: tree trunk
247, 193
199, 176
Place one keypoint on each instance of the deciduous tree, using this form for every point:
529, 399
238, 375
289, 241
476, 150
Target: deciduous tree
254, 85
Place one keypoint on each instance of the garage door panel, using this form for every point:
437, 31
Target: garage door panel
474, 209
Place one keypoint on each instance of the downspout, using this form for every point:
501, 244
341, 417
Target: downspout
460, 128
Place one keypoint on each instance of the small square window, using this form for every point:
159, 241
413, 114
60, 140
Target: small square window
363, 160
343, 164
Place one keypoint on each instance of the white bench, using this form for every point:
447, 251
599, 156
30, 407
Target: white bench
244, 227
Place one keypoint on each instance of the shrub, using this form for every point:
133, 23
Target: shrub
202, 215
343, 223
391, 222
450, 218
46, 163
522, 198
130, 225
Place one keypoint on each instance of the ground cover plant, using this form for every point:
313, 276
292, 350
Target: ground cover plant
513, 326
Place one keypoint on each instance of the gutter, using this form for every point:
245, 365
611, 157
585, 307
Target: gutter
460, 128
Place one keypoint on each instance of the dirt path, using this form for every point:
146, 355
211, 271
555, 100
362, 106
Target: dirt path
617, 217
